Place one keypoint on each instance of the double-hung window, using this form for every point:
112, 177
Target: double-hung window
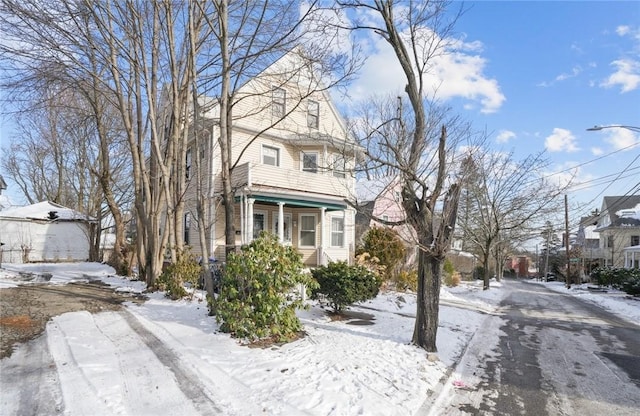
279, 102
307, 230
313, 114
338, 166
310, 162
187, 164
270, 155
337, 232
187, 226
635, 240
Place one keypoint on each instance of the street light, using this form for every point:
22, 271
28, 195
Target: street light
614, 126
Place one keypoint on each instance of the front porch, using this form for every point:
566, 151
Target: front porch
319, 229
631, 257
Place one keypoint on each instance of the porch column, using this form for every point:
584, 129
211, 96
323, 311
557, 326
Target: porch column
281, 222
249, 229
322, 238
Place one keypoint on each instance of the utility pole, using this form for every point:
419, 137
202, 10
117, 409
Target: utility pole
566, 241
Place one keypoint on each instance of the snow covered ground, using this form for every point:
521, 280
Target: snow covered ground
168, 357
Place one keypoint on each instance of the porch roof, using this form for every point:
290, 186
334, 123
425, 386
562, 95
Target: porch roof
297, 202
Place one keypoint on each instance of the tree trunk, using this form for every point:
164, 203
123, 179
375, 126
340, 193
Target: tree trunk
429, 278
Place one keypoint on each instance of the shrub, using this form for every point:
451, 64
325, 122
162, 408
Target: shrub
450, 277
342, 284
175, 275
406, 280
627, 280
257, 298
384, 244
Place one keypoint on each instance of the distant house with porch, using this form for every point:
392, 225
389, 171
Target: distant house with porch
618, 227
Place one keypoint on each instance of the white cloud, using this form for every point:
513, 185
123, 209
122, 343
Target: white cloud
627, 75
596, 151
504, 136
456, 73
575, 71
561, 140
621, 138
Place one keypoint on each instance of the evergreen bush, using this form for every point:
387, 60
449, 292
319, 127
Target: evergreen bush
257, 298
341, 284
175, 275
385, 244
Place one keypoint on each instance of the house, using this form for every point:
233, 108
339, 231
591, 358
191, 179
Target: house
44, 232
587, 241
292, 157
380, 200
618, 226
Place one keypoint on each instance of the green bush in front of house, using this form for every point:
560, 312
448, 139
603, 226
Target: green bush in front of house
185, 270
627, 280
341, 284
385, 244
258, 291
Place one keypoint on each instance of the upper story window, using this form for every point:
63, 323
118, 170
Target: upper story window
279, 102
310, 162
270, 155
187, 167
313, 114
338, 166
635, 240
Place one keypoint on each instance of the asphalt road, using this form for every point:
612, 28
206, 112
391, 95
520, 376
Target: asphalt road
547, 353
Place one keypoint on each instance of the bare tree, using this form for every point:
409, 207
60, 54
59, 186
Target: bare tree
421, 152
507, 198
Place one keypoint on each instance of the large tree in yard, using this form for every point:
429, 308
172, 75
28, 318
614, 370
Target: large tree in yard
417, 144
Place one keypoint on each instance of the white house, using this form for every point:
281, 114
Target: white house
292, 157
44, 232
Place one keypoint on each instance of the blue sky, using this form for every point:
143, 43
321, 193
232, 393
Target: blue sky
535, 75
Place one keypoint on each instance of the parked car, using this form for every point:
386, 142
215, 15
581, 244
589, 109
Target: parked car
551, 277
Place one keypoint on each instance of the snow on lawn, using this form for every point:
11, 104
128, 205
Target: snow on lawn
168, 357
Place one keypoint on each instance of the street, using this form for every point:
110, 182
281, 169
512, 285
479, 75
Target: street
547, 353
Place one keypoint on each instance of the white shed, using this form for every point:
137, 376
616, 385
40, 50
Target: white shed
44, 232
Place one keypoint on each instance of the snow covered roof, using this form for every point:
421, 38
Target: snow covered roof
41, 210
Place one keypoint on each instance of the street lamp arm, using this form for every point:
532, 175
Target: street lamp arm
614, 126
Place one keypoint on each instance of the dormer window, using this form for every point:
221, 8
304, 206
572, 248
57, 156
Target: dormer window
313, 114
279, 102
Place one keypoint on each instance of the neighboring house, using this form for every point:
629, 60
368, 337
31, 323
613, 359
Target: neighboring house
380, 200
44, 232
588, 242
291, 179
618, 226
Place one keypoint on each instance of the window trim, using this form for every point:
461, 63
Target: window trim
313, 114
278, 102
262, 155
341, 232
265, 222
315, 230
302, 156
